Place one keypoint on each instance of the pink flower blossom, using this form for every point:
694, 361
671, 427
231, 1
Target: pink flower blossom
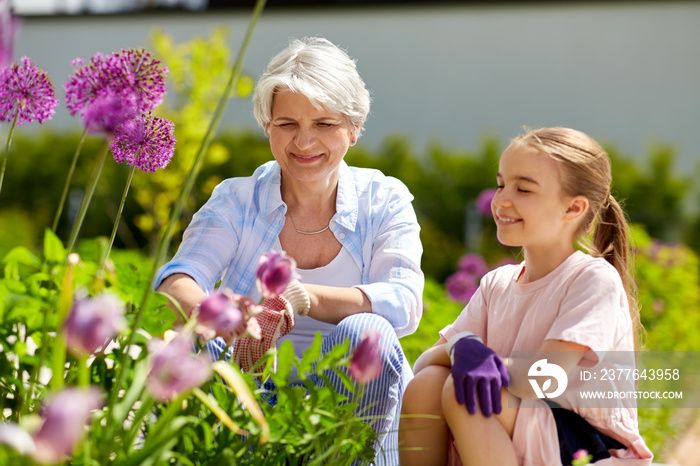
64, 416
131, 73
148, 142
93, 322
366, 362
26, 92
217, 315
580, 454
107, 111
461, 285
9, 28
143, 75
275, 271
483, 202
473, 264
175, 369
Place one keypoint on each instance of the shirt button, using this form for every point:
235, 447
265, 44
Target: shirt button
341, 236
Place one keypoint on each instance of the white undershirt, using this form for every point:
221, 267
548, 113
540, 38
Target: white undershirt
342, 271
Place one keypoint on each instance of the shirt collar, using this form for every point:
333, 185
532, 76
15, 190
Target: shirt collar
346, 205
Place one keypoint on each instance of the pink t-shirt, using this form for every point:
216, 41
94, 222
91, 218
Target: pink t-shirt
582, 301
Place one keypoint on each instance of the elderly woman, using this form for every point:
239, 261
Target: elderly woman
352, 231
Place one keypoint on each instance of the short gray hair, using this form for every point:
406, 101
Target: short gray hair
319, 70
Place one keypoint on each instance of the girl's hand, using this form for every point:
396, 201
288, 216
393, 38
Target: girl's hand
478, 373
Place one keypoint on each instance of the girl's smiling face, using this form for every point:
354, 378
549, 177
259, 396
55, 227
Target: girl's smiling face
529, 207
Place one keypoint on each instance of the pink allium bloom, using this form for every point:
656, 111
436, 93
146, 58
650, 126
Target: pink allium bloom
473, 264
107, 111
461, 285
9, 27
87, 82
13, 435
366, 362
175, 369
93, 322
132, 73
581, 454
26, 91
65, 416
217, 315
143, 75
275, 271
483, 202
148, 142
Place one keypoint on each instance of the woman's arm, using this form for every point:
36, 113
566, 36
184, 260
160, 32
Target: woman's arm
184, 290
332, 304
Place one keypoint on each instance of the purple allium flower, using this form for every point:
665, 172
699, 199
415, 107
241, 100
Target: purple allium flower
147, 141
26, 91
461, 285
93, 322
217, 315
64, 416
366, 362
483, 202
275, 271
107, 111
175, 369
130, 73
87, 82
9, 27
143, 75
473, 264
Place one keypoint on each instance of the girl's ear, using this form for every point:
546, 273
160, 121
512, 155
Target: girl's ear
577, 208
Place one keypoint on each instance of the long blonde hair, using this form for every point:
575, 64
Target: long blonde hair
585, 171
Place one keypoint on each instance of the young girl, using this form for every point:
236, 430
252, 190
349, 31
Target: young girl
553, 188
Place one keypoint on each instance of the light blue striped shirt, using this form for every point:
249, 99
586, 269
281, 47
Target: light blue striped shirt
374, 221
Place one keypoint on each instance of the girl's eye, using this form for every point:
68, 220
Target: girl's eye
500, 186
523, 190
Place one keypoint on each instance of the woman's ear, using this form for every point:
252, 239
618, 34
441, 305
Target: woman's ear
577, 208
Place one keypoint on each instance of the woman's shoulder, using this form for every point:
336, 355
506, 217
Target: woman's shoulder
372, 179
246, 188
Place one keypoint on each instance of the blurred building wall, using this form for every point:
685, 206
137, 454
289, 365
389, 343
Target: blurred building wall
627, 73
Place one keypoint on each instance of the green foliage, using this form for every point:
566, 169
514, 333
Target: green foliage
668, 276
438, 311
198, 75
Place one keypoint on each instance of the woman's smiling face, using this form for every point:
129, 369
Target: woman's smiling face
308, 142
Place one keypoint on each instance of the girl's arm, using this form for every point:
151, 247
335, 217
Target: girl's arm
565, 354
433, 356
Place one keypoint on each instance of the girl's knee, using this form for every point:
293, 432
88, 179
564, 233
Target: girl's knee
423, 392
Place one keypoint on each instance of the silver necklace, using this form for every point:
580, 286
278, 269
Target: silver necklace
309, 232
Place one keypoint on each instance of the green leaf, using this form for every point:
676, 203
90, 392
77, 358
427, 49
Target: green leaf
21, 255
53, 247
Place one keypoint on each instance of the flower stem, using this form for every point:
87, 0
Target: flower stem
62, 202
119, 214
87, 197
164, 244
7, 149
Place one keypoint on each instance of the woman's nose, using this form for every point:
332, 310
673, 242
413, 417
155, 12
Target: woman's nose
304, 138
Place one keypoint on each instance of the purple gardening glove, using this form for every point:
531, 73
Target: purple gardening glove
478, 372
